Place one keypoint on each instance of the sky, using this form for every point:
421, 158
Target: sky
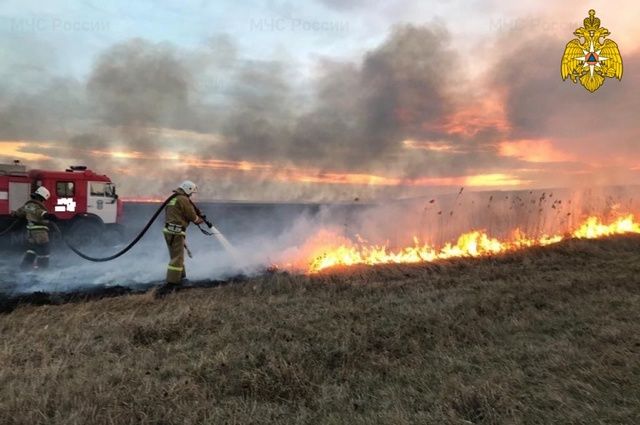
317, 100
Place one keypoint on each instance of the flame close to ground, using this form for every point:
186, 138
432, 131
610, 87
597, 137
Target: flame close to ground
329, 250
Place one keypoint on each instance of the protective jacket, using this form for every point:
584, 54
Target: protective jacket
38, 249
179, 213
34, 211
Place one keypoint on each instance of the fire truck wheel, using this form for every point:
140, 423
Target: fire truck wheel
85, 232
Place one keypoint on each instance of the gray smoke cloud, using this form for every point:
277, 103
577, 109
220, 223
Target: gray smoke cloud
540, 104
212, 103
49, 113
138, 83
589, 126
352, 117
360, 112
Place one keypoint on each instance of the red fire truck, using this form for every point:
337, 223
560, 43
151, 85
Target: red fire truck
85, 203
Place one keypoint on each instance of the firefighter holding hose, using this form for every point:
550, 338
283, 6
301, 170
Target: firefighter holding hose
37, 216
179, 212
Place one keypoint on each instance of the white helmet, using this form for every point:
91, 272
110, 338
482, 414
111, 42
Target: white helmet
188, 187
43, 191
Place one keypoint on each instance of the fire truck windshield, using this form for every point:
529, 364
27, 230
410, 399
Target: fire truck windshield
102, 189
110, 190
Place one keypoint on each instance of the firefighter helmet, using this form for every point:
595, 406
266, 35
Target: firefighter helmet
188, 187
42, 192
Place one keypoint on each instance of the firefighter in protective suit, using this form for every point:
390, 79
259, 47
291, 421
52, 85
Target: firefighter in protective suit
179, 212
34, 211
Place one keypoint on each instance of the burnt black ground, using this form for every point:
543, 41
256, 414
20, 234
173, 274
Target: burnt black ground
11, 301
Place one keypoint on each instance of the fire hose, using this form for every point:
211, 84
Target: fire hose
144, 230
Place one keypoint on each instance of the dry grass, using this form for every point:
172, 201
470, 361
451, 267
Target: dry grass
547, 336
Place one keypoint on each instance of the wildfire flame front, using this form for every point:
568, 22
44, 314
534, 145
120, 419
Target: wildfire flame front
476, 243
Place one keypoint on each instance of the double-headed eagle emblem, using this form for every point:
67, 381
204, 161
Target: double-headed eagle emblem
591, 57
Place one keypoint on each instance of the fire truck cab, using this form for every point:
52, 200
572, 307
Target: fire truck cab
84, 202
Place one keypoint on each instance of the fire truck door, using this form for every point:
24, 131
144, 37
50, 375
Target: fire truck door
18, 195
101, 201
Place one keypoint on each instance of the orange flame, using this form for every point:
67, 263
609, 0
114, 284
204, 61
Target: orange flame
330, 251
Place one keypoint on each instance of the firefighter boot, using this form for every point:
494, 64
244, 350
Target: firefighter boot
166, 289
28, 260
42, 250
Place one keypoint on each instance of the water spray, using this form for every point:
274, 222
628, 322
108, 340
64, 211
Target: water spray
224, 242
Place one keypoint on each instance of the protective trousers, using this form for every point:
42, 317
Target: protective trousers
175, 269
38, 250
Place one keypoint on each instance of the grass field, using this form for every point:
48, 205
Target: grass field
539, 337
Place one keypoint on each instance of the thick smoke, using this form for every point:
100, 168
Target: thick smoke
50, 113
398, 90
158, 100
539, 105
141, 84
359, 114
